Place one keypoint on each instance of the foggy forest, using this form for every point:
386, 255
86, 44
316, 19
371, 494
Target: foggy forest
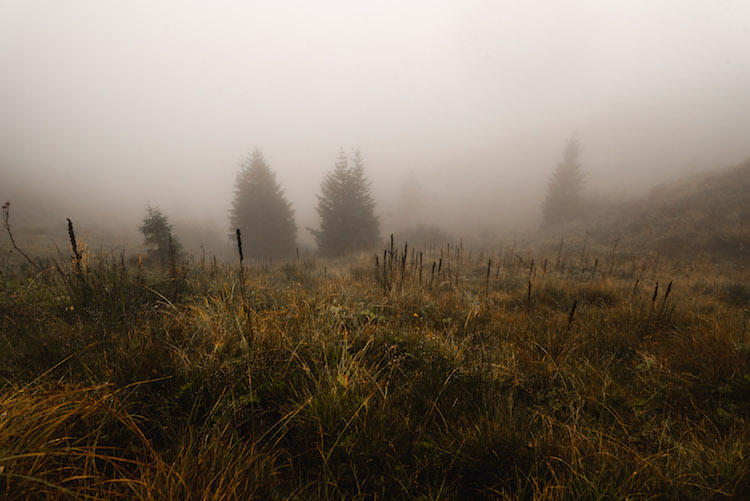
374, 250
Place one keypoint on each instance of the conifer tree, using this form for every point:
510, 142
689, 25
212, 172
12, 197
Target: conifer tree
347, 209
157, 235
261, 211
564, 201
366, 224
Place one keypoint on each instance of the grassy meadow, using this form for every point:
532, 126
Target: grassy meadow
426, 374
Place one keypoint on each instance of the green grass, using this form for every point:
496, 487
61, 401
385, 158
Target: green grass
128, 383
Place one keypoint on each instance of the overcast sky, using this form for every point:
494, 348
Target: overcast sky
125, 102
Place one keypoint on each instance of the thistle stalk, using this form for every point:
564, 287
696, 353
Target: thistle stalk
245, 307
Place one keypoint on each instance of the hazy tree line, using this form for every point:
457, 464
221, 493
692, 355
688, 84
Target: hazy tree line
348, 222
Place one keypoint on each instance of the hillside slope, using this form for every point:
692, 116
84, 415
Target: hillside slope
706, 213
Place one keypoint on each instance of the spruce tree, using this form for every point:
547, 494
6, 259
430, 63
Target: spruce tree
564, 201
261, 211
366, 228
157, 235
347, 209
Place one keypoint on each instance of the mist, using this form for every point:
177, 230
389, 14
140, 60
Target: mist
107, 106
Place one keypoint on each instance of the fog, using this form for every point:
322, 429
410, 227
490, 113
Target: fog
105, 106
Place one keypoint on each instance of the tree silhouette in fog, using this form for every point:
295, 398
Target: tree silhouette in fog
564, 201
157, 235
261, 211
347, 209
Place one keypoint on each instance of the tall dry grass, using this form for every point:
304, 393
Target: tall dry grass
498, 376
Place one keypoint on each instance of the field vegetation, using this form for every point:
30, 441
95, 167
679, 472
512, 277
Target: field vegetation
433, 373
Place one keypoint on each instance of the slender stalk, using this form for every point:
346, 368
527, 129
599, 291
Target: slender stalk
245, 306
572, 314
6, 217
487, 279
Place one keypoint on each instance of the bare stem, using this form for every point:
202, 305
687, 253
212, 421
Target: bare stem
6, 217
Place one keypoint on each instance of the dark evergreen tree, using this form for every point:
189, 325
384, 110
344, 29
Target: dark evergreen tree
564, 201
366, 230
157, 234
331, 237
261, 211
347, 209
